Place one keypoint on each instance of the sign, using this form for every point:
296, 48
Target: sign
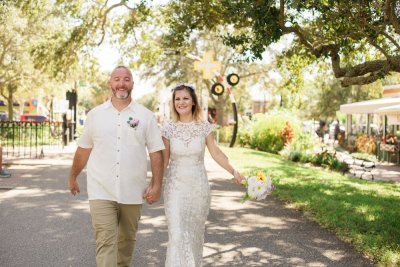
207, 65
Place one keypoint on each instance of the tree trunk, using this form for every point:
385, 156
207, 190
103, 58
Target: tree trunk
220, 114
10, 105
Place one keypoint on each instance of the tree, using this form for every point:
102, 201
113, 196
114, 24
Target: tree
27, 27
15, 61
87, 24
149, 101
327, 94
360, 39
154, 58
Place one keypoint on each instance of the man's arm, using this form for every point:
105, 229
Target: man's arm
153, 192
80, 159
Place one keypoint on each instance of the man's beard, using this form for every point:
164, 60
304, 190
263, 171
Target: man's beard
121, 94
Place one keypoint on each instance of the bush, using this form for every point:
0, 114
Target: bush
295, 156
302, 143
244, 137
287, 133
224, 133
267, 129
366, 144
305, 149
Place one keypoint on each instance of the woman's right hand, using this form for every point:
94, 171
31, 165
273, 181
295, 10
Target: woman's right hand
238, 177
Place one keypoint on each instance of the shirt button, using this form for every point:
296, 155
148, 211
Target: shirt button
119, 124
117, 162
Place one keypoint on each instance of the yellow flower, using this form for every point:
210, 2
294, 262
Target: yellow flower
261, 176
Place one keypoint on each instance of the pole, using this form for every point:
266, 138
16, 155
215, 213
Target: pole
235, 118
235, 126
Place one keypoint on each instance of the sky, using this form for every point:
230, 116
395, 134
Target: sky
108, 59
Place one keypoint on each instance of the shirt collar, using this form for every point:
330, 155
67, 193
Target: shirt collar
108, 104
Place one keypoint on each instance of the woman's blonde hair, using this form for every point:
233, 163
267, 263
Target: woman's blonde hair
196, 109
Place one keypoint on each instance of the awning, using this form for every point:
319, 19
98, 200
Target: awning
390, 110
392, 113
370, 106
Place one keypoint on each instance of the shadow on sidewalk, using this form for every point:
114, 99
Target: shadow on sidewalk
263, 233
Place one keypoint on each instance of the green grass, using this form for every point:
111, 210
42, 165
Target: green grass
364, 213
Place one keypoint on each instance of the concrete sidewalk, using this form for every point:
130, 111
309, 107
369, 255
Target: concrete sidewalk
43, 225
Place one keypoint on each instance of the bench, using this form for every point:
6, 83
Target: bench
364, 167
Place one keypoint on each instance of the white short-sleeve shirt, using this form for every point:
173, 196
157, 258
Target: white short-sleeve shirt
117, 166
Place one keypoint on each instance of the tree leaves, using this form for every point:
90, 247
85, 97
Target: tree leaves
325, 28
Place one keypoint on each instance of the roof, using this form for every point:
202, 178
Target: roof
391, 90
365, 107
390, 110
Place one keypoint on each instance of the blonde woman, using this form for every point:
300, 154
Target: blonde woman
187, 192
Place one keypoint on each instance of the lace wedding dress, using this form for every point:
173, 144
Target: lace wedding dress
186, 193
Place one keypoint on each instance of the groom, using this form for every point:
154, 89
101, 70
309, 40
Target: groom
113, 144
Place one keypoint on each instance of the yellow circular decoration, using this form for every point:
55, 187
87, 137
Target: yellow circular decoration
233, 79
217, 89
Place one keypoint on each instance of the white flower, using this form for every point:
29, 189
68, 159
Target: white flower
258, 187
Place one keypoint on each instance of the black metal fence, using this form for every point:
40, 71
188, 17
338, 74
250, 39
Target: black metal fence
30, 139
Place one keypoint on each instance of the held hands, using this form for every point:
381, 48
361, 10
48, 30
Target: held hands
152, 194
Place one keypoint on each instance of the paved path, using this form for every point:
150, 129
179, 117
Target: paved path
43, 225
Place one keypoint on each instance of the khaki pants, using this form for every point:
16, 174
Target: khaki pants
115, 227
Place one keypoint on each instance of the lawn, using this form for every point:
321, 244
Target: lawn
364, 213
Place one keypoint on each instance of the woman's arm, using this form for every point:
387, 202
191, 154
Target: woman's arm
165, 153
221, 158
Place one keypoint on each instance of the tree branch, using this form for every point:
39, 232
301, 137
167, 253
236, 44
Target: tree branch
390, 15
364, 73
103, 18
360, 80
3, 54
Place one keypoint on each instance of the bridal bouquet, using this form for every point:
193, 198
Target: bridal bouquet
257, 187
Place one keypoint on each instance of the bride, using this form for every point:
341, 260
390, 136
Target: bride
187, 192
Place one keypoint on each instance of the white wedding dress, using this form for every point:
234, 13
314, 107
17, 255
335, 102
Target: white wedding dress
186, 193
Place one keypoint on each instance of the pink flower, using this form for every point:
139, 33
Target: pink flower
133, 122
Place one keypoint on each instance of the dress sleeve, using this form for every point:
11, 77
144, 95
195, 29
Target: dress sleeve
166, 130
207, 128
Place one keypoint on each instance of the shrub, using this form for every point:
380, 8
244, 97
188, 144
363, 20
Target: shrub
244, 137
266, 131
304, 144
305, 149
245, 131
366, 144
295, 156
287, 133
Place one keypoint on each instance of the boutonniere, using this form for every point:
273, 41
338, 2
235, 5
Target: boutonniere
133, 122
